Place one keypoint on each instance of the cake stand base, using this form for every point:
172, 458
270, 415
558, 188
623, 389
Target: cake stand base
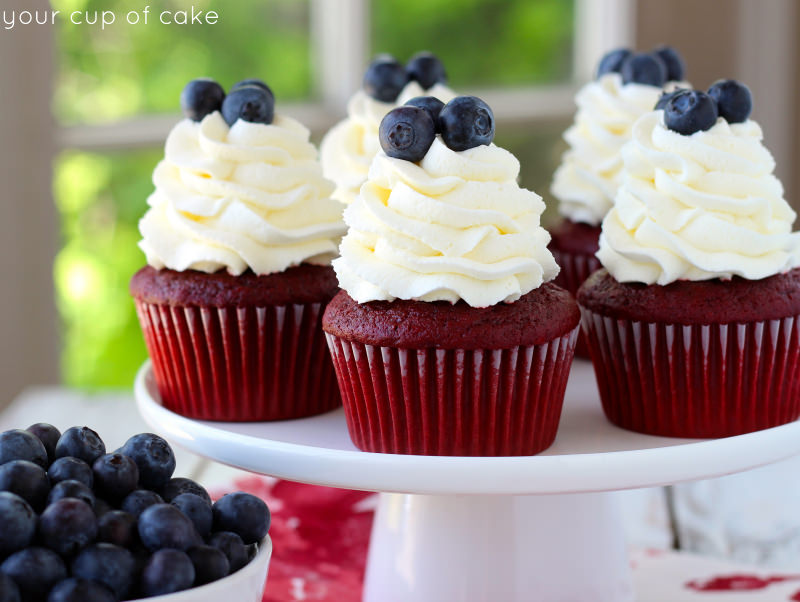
495, 529
459, 548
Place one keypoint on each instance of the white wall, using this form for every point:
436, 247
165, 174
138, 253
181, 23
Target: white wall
28, 232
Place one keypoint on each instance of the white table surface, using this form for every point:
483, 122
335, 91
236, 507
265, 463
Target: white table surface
710, 524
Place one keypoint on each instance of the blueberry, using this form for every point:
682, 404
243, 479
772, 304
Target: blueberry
689, 112
166, 572
115, 475
17, 523
80, 590
385, 78
69, 468
427, 69
140, 558
9, 592
645, 69
101, 507
612, 61
254, 82
243, 514
71, 488
407, 133
82, 443
201, 97
22, 445
197, 509
27, 480
232, 546
210, 564
430, 103
35, 570
48, 435
676, 69
666, 97
137, 501
180, 485
466, 122
117, 527
249, 103
106, 563
164, 526
734, 101
154, 457
67, 526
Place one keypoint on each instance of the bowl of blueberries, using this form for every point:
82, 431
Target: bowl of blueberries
78, 524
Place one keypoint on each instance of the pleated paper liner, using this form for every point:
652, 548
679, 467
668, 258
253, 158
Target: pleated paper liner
701, 381
240, 364
575, 268
453, 402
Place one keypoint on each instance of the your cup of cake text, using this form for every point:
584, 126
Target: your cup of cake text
192, 15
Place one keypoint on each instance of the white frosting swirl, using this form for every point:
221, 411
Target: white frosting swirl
348, 148
698, 207
591, 169
248, 196
455, 226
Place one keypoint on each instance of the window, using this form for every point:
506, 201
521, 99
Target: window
117, 92
482, 42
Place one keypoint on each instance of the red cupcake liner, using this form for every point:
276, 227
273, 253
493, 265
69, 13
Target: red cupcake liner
575, 268
698, 381
240, 364
453, 402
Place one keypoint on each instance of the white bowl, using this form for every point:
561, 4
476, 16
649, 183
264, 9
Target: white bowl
245, 585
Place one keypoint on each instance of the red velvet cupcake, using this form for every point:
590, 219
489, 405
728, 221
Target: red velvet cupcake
704, 359
586, 182
239, 236
448, 379
693, 328
574, 245
447, 338
239, 348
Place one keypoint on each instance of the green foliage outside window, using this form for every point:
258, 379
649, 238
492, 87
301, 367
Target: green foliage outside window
133, 70
481, 42
126, 70
100, 198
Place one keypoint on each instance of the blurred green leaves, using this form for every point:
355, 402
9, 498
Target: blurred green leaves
481, 42
126, 69
100, 198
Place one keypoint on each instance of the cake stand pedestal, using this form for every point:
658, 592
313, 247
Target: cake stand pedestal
460, 529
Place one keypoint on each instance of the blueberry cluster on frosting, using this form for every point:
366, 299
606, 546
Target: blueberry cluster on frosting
407, 132
240, 188
386, 77
664, 64
250, 100
690, 111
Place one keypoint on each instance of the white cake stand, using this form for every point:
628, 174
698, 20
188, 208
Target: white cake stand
457, 529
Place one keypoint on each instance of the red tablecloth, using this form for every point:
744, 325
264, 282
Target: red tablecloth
320, 537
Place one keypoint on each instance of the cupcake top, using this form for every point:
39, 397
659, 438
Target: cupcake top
627, 86
441, 216
699, 199
347, 150
239, 189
